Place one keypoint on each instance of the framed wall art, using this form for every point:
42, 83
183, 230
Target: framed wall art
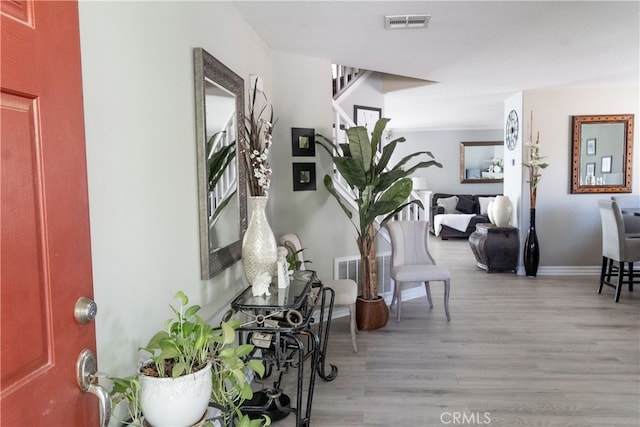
605, 166
304, 177
303, 142
591, 147
366, 116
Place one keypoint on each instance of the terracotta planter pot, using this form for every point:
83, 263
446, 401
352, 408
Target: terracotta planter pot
372, 314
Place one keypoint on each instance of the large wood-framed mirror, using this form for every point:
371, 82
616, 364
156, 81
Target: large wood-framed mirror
481, 162
602, 154
222, 198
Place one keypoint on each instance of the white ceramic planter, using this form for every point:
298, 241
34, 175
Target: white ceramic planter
175, 402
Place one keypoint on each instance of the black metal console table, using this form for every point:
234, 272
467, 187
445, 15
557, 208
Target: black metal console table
281, 325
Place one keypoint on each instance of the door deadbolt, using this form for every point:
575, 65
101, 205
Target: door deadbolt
85, 310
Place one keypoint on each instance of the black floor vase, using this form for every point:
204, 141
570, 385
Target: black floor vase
531, 256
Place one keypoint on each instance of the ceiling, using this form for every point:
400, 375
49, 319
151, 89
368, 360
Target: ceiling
478, 52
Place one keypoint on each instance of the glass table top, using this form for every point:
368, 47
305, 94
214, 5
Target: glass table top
287, 298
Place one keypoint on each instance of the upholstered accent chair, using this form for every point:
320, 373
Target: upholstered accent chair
412, 262
346, 290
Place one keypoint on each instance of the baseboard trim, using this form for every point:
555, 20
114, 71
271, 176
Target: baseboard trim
565, 270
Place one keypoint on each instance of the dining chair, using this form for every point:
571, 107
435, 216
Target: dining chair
617, 247
411, 261
631, 219
346, 290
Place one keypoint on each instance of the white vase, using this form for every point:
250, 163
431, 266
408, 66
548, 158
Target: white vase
501, 211
489, 211
259, 249
175, 402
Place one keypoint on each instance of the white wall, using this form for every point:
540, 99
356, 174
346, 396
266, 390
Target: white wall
445, 147
513, 161
140, 132
568, 225
303, 87
368, 94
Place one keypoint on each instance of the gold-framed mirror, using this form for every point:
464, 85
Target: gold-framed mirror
222, 193
602, 153
481, 162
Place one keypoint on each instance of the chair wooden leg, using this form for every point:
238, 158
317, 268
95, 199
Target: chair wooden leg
446, 299
427, 287
610, 270
602, 273
393, 298
620, 280
397, 294
630, 277
353, 327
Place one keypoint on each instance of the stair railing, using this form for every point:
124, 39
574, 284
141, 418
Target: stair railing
343, 76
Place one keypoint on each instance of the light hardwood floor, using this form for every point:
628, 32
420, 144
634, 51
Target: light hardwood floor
547, 351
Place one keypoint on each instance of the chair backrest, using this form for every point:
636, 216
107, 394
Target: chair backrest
291, 241
612, 229
631, 221
627, 200
409, 242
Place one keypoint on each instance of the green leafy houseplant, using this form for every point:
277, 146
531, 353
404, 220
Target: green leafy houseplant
183, 346
380, 189
293, 262
188, 344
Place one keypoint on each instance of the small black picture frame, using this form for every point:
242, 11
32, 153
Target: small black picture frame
591, 147
303, 142
304, 177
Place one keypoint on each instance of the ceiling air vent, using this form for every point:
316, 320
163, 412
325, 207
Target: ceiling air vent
394, 22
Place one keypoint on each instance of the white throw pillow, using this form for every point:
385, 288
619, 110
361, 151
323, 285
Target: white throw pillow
448, 203
484, 204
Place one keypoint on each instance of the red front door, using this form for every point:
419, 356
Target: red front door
45, 257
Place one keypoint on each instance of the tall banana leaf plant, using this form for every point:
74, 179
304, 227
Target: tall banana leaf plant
380, 189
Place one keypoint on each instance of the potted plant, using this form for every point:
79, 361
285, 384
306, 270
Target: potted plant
190, 365
380, 189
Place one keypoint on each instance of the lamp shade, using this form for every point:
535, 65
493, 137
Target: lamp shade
419, 183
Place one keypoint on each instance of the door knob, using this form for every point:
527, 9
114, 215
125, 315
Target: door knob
86, 374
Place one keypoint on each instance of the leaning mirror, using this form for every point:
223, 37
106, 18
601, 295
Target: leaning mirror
602, 160
481, 162
221, 187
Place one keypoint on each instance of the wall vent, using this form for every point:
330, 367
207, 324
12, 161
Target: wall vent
349, 268
394, 22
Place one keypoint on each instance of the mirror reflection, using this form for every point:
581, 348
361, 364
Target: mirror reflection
222, 177
481, 162
221, 195
602, 160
